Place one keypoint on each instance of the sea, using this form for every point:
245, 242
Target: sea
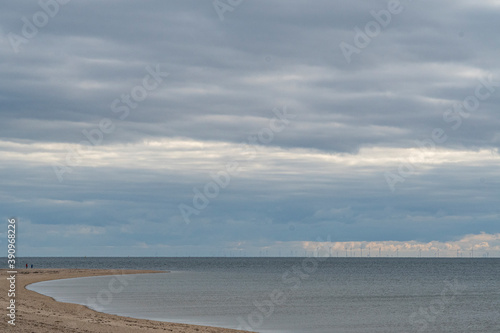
292, 295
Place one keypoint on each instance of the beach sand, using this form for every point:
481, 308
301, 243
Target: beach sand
39, 314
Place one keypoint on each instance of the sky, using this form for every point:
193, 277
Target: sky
251, 128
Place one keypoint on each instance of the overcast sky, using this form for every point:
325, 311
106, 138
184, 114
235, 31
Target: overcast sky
250, 127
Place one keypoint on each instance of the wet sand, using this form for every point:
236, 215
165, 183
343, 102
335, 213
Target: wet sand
39, 313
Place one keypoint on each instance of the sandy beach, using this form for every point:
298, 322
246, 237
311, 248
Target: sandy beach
36, 313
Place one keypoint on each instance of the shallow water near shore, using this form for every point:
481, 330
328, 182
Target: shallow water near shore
351, 295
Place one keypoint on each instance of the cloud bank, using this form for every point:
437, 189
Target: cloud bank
116, 114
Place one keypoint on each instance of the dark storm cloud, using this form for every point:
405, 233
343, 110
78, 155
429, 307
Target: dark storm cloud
262, 54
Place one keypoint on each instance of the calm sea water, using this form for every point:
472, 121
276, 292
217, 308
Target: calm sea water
345, 295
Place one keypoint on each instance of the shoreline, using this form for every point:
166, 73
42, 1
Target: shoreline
39, 313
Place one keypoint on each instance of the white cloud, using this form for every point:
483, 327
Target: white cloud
479, 245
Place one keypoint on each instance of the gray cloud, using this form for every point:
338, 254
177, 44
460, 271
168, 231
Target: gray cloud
323, 174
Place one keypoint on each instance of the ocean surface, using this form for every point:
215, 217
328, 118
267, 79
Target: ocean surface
289, 295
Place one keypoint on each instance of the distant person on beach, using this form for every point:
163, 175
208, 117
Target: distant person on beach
31, 265
26, 265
